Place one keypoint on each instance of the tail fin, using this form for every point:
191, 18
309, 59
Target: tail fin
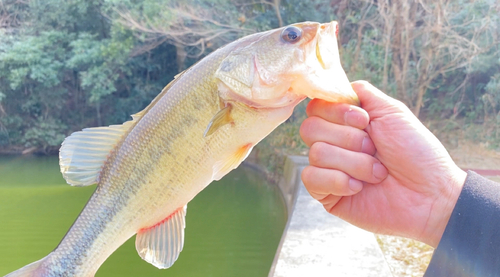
28, 270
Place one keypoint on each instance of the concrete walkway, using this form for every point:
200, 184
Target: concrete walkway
316, 243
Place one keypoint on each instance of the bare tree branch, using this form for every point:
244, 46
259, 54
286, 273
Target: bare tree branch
190, 27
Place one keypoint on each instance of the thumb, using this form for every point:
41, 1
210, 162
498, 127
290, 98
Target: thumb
374, 101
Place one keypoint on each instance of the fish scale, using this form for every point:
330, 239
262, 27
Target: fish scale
200, 127
167, 120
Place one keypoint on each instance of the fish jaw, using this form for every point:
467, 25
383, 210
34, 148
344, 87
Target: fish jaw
273, 73
323, 76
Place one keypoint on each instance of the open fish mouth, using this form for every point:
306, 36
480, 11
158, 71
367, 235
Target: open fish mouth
318, 55
326, 78
327, 37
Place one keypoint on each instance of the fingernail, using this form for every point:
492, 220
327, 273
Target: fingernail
379, 171
347, 117
355, 185
352, 118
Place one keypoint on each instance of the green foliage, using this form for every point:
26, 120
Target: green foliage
51, 132
14, 122
33, 60
66, 65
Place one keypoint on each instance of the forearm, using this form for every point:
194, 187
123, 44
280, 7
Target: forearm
471, 241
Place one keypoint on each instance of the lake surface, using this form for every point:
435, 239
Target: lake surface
233, 227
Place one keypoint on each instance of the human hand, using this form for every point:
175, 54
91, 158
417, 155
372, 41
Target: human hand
379, 168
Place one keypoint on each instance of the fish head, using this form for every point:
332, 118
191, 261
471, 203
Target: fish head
280, 67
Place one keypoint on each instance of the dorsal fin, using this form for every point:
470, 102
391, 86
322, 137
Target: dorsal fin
161, 244
83, 153
138, 115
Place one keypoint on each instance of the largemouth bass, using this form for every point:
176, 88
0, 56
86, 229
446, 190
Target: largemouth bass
201, 126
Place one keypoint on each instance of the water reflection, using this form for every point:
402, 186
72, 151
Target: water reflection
232, 228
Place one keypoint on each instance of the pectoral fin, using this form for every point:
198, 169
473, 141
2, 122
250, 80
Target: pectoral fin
220, 119
161, 244
222, 167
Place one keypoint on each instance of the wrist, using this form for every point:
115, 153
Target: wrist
443, 207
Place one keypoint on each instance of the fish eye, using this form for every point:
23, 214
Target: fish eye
291, 34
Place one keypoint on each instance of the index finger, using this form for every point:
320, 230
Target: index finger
339, 113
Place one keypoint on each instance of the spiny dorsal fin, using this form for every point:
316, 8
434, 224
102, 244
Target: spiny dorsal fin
138, 115
83, 153
179, 75
161, 244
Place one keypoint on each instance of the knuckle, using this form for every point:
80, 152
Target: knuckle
306, 127
310, 129
351, 140
400, 105
366, 169
307, 175
323, 199
311, 106
317, 153
360, 84
329, 208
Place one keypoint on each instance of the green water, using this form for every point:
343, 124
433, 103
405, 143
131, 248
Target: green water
233, 227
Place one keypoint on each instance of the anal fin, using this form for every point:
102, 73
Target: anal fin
160, 245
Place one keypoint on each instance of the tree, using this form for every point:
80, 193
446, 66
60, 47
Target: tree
66, 65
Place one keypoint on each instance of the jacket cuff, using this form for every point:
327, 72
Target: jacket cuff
470, 245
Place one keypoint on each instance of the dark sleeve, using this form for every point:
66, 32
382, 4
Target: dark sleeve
470, 245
